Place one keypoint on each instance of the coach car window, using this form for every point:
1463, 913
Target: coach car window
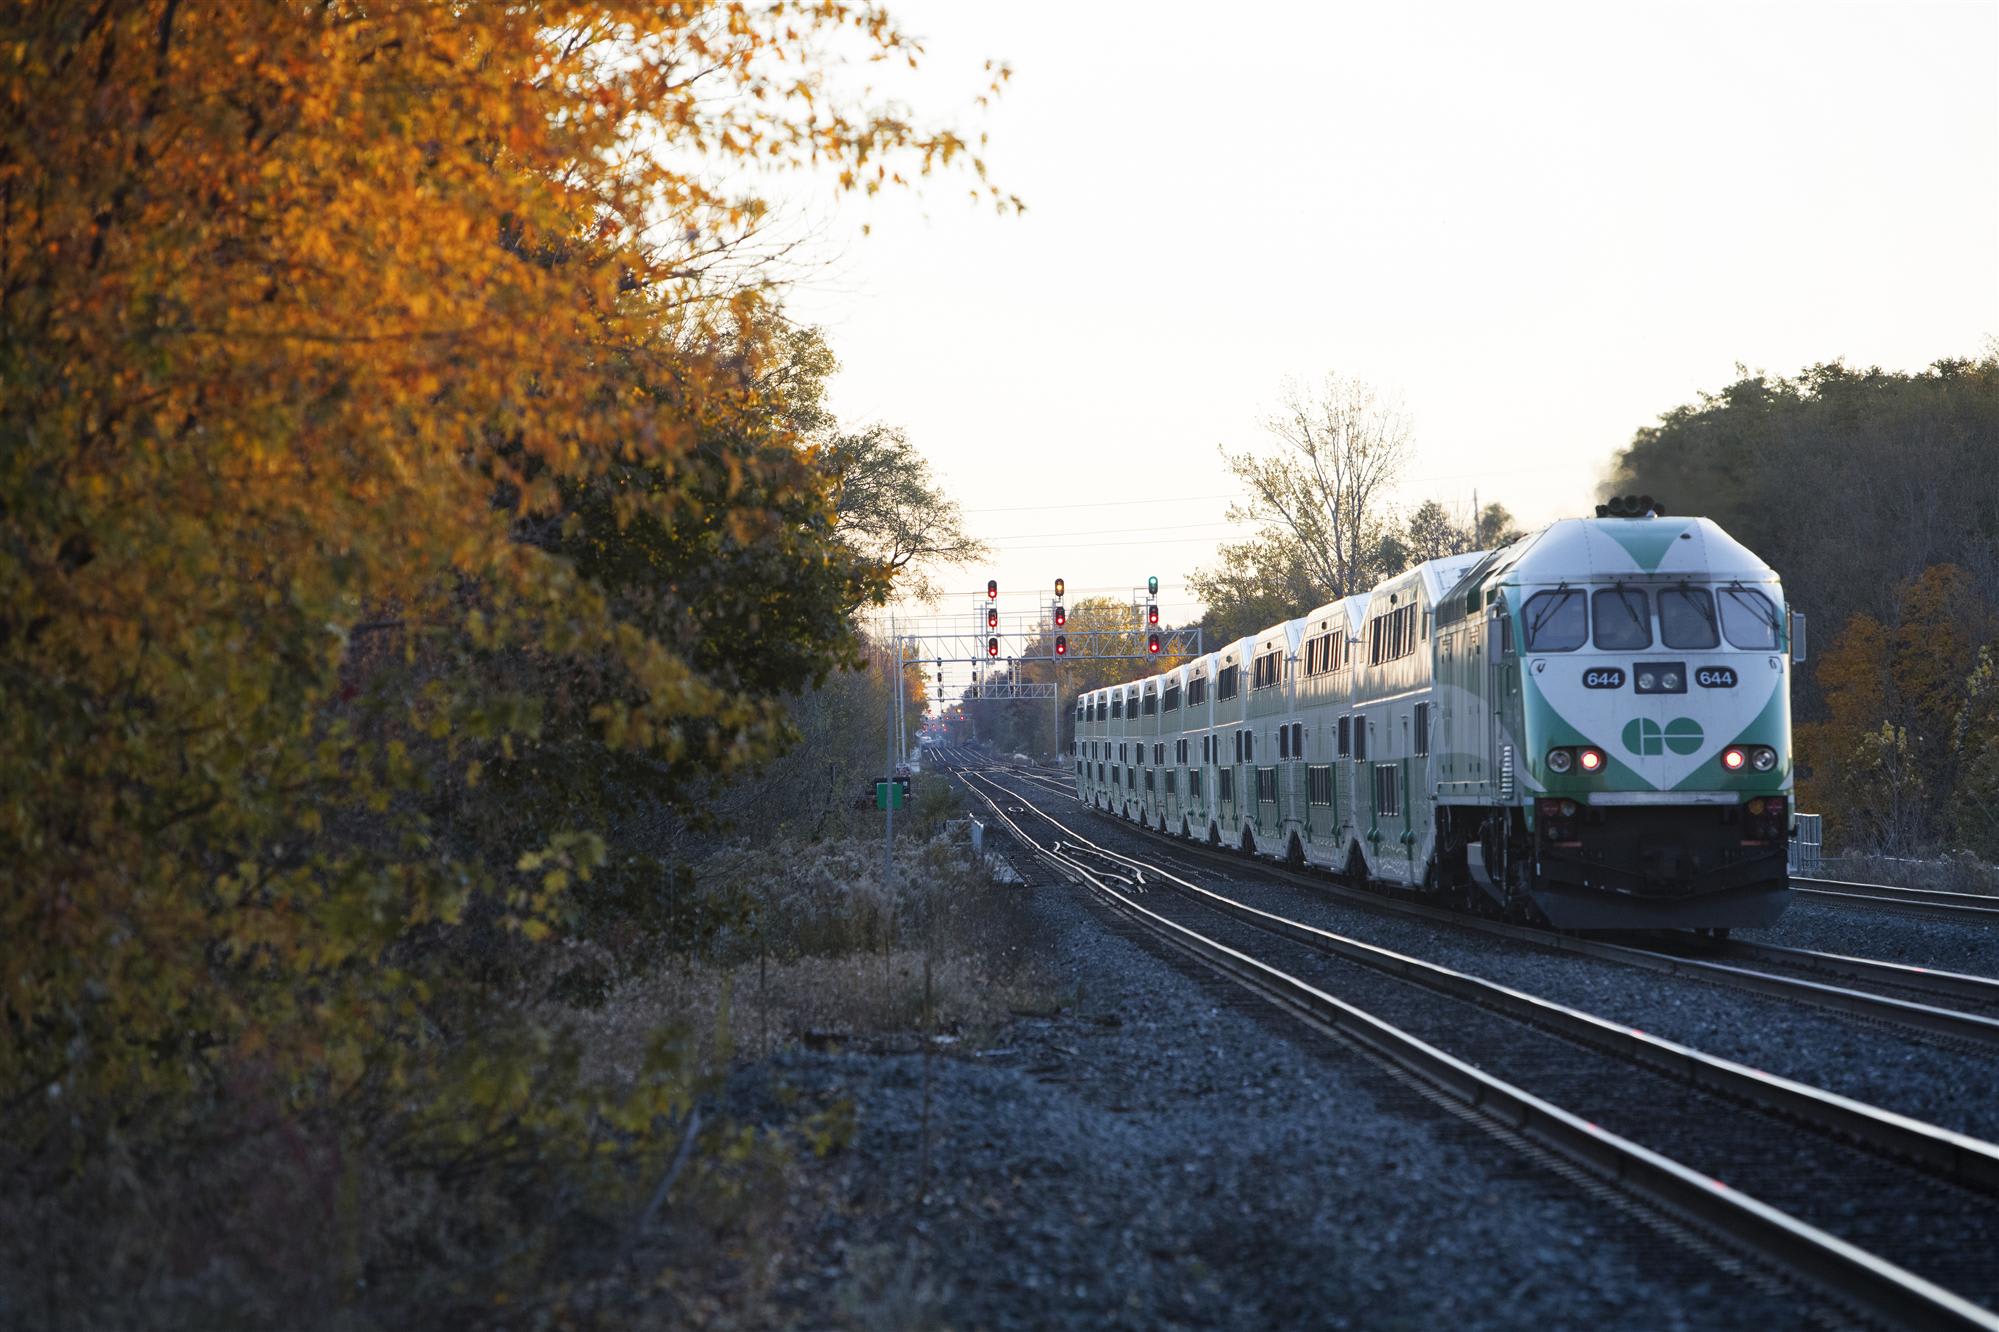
1623, 619
1556, 621
1748, 618
1686, 618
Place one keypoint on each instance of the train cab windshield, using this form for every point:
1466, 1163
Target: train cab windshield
1686, 619
1556, 621
1690, 619
1748, 618
1623, 619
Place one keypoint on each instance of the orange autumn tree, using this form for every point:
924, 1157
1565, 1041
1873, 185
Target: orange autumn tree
338, 339
1887, 758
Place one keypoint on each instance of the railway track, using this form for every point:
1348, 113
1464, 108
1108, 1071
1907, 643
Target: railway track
1969, 908
1948, 1007
1914, 1258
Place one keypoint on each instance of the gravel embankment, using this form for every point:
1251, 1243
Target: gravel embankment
1892, 936
1954, 1088
1164, 1153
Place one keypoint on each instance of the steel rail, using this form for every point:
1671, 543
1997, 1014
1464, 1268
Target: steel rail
1969, 908
1881, 1287
1955, 984
1950, 1023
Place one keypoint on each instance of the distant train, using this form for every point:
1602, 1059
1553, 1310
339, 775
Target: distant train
1590, 726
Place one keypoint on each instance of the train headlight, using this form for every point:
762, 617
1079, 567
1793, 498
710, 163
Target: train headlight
1591, 759
1733, 758
1670, 682
1647, 681
1762, 759
1560, 760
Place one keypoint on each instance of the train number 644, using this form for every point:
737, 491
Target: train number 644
1715, 677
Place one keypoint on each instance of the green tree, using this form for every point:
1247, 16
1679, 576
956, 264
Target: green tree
1432, 533
1256, 583
1340, 448
1903, 704
893, 513
1974, 810
889, 507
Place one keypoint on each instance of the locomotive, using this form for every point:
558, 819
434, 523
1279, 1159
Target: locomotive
1589, 727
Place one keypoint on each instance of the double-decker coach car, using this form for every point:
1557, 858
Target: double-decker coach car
1589, 726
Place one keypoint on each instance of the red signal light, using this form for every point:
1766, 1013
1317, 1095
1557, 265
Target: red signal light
1152, 644
992, 618
992, 589
1061, 616
1152, 615
1061, 645
992, 647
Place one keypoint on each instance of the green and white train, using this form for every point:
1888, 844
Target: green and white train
1590, 726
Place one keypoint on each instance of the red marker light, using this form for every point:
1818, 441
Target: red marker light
1733, 759
1591, 759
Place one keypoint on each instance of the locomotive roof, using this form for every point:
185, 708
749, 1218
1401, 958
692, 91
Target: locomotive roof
1440, 576
1594, 549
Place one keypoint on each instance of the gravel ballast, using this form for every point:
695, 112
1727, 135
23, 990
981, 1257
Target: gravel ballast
1164, 1152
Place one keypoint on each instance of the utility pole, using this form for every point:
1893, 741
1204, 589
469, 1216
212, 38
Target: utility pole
889, 793
1055, 711
901, 702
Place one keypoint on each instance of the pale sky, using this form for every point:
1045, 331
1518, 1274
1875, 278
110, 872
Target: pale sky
1540, 225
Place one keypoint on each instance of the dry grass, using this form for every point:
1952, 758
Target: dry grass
838, 956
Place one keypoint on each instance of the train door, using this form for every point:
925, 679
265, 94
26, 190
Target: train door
1475, 726
1496, 757
1291, 794
1499, 753
1360, 796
